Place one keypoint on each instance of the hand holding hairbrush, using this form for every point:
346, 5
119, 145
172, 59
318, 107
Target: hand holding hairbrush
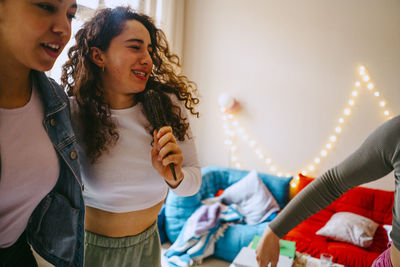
153, 104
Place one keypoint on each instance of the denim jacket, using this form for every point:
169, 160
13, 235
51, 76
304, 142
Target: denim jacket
55, 229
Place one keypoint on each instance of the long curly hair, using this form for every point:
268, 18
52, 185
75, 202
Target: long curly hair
81, 78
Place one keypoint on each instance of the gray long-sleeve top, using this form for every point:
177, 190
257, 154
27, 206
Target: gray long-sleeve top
376, 157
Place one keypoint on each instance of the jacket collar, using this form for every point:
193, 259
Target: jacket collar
52, 101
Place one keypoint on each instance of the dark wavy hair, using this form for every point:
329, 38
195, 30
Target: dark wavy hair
81, 78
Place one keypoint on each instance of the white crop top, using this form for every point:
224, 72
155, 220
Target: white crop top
123, 179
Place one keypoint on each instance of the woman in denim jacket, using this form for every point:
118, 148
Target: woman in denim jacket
40, 186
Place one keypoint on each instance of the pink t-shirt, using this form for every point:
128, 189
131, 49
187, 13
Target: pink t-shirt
29, 166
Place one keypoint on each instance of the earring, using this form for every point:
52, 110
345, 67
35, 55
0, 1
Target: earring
102, 68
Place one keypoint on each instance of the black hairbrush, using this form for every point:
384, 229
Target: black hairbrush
153, 105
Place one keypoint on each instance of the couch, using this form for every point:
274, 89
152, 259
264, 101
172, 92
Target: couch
371, 203
214, 178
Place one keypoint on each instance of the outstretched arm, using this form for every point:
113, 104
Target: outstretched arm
374, 159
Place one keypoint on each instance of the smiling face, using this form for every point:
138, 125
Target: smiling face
127, 64
34, 32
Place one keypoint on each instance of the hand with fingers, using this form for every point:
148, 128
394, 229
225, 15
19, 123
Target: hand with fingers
165, 151
267, 250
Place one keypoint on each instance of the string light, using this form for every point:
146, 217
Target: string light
233, 129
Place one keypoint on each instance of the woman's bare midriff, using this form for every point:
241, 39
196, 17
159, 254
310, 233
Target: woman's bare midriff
120, 224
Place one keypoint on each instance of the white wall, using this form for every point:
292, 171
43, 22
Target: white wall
292, 65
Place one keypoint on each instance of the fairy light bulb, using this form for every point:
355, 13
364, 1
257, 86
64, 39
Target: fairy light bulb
279, 174
370, 86
347, 111
332, 138
317, 160
386, 112
362, 70
376, 93
354, 93
311, 167
272, 169
382, 103
341, 120
304, 172
357, 84
351, 102
324, 152
228, 142
338, 129
366, 78
328, 146
252, 143
268, 160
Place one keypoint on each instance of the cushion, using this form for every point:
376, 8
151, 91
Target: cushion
302, 182
351, 228
255, 201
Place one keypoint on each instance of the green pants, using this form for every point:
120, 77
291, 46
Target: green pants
141, 250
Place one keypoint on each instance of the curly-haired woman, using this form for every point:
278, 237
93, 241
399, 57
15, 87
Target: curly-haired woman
118, 56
